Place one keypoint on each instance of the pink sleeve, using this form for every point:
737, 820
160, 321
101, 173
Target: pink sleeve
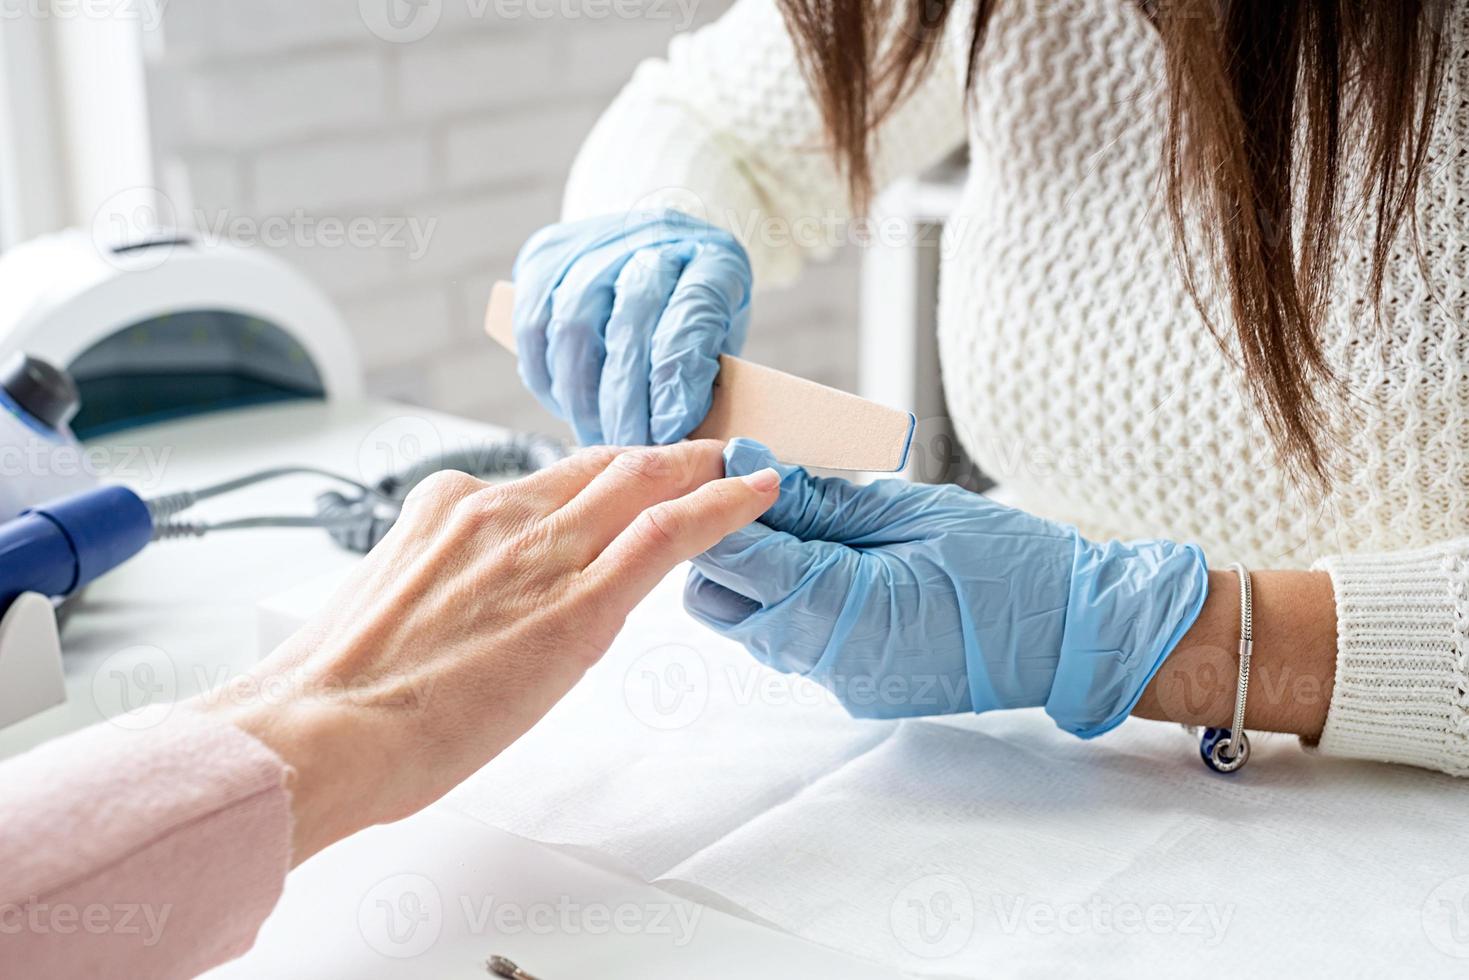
140, 854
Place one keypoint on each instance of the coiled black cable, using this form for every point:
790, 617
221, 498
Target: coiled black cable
357, 521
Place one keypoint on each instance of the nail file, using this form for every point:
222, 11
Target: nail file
803, 423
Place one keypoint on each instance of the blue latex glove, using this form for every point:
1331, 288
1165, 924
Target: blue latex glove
620, 321
905, 599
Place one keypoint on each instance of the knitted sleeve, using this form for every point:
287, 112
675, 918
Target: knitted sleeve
1402, 661
726, 128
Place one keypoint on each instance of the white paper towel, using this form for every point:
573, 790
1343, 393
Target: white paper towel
982, 846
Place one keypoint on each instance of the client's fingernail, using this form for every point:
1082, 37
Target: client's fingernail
763, 481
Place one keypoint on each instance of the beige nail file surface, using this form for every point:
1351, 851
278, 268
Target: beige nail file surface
802, 422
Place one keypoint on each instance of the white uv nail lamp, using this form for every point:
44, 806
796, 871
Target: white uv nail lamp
170, 327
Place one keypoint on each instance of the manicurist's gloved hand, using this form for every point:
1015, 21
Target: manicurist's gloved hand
905, 599
620, 321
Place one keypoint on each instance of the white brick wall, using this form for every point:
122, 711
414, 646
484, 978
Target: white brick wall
271, 108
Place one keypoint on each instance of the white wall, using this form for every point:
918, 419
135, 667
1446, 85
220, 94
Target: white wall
298, 110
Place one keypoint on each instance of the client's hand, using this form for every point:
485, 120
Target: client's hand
476, 613
905, 599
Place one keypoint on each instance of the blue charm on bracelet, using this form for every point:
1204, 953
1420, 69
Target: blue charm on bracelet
1218, 751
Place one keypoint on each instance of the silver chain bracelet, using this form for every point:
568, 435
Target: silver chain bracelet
1226, 750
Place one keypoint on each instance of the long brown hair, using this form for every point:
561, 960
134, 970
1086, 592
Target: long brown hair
1260, 94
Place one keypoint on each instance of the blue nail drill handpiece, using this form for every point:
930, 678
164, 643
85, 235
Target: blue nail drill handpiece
58, 547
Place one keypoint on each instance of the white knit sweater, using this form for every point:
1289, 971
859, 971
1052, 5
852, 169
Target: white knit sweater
1077, 370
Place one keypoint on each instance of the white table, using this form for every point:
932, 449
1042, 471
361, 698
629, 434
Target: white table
435, 894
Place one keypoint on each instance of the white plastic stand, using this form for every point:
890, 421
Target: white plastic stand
30, 659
